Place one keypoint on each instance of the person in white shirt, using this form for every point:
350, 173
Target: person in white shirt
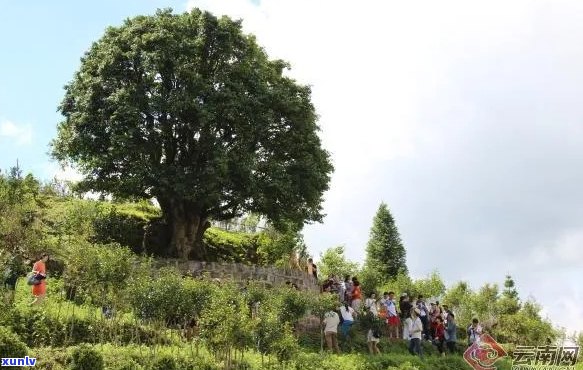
371, 304
406, 326
474, 332
416, 333
331, 322
348, 315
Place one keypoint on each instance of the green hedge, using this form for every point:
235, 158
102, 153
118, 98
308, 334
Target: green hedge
11, 345
185, 358
86, 358
38, 329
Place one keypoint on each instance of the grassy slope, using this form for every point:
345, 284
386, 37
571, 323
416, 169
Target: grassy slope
393, 354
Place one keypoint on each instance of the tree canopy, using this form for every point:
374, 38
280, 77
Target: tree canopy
334, 263
187, 109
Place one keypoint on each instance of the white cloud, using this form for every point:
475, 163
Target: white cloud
54, 171
20, 134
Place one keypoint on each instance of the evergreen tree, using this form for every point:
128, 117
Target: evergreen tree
509, 289
509, 303
385, 253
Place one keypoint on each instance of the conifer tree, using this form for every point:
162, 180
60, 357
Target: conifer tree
385, 253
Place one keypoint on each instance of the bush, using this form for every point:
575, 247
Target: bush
122, 226
86, 358
38, 329
100, 271
164, 363
126, 364
11, 345
53, 358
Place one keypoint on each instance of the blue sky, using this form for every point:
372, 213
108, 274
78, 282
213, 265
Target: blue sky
465, 117
41, 46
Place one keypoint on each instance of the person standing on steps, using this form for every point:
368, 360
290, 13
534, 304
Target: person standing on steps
312, 268
39, 269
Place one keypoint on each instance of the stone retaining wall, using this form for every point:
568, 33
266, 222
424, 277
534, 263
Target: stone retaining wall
269, 275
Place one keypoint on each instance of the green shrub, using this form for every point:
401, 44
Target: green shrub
122, 226
39, 328
11, 345
99, 271
53, 358
164, 363
126, 364
86, 358
448, 363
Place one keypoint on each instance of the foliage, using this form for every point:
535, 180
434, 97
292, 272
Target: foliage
385, 253
167, 298
334, 263
86, 358
225, 321
11, 345
458, 299
500, 314
509, 304
121, 225
192, 112
20, 224
430, 286
62, 323
164, 363
100, 272
525, 327
277, 246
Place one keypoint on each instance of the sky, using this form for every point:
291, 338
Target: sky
464, 117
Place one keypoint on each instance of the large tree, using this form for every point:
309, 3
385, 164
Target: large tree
385, 253
187, 109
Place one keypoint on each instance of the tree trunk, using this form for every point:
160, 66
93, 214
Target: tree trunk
187, 226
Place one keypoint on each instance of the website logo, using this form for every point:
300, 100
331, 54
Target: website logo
483, 354
18, 361
546, 357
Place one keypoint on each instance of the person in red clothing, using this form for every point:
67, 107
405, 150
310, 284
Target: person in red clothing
439, 337
39, 291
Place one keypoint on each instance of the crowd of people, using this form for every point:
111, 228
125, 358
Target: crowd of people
408, 318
